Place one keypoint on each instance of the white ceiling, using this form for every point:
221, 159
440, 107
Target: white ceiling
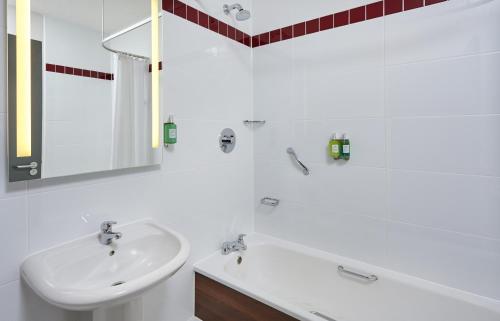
88, 13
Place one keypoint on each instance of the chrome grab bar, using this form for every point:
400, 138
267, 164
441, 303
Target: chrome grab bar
269, 201
290, 151
370, 278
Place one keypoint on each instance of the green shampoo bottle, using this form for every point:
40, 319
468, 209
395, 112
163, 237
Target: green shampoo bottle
346, 147
334, 147
170, 131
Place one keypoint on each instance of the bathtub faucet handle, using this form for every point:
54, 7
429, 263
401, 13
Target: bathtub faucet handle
238, 245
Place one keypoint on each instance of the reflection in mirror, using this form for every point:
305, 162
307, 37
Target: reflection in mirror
97, 102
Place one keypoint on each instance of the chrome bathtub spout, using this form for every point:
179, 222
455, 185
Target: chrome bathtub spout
238, 245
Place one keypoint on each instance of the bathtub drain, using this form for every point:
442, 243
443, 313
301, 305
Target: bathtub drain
321, 315
118, 283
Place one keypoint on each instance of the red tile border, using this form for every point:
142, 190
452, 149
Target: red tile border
357, 14
231, 32
180, 9
203, 19
275, 35
312, 26
264, 39
338, 19
393, 6
79, 72
341, 19
192, 14
431, 2
326, 22
299, 29
287, 33
168, 5
223, 28
412, 4
375, 10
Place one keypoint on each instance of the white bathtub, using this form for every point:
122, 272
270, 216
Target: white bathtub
297, 280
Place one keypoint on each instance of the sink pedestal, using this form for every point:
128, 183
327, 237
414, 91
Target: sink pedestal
130, 311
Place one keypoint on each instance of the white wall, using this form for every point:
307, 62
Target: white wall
198, 191
418, 94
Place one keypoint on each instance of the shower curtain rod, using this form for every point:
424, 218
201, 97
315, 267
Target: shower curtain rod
122, 32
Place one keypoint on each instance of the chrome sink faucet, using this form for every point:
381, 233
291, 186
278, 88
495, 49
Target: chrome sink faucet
107, 235
238, 245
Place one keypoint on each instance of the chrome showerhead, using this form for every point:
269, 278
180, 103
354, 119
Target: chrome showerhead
241, 15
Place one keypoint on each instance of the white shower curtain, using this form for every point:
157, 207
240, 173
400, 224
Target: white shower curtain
131, 140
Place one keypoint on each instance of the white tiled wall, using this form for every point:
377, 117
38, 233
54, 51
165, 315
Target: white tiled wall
418, 94
198, 191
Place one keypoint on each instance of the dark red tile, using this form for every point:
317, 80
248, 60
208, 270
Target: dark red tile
264, 38
223, 28
150, 68
68, 70
375, 10
429, 2
299, 29
180, 9
50, 67
287, 33
160, 65
168, 5
213, 24
192, 14
312, 26
77, 71
203, 19
357, 14
413, 4
101, 75
341, 19
255, 41
86, 73
239, 36
109, 76
275, 35
93, 74
393, 6
231, 32
247, 40
60, 69
326, 22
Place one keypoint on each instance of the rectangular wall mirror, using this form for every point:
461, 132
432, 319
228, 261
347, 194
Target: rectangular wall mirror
83, 86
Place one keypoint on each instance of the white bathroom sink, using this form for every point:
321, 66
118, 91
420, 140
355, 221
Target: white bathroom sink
86, 275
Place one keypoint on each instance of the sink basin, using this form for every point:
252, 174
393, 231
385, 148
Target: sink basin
85, 275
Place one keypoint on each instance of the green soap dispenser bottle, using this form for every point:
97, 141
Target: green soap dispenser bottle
170, 131
346, 147
334, 147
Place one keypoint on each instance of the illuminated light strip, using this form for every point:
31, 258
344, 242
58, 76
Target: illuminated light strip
155, 74
23, 79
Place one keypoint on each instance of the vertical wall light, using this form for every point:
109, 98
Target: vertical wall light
23, 78
155, 73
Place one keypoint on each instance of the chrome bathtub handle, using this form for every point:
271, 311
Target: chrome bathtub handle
371, 278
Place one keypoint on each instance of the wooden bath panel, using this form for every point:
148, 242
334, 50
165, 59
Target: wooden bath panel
217, 302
